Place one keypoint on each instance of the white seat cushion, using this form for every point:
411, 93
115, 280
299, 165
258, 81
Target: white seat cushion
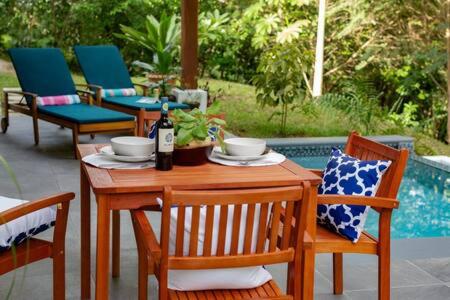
230, 278
18, 230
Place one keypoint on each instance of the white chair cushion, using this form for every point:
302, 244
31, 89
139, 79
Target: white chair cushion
18, 230
229, 278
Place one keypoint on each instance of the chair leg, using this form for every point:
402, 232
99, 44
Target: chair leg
36, 130
142, 265
384, 256
116, 243
308, 263
75, 140
338, 279
92, 136
59, 276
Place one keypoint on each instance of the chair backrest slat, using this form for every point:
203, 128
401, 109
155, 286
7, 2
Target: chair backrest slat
179, 246
222, 235
366, 149
287, 225
262, 227
274, 226
193, 238
237, 213
209, 222
248, 237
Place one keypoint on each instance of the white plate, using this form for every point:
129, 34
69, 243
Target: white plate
108, 152
218, 152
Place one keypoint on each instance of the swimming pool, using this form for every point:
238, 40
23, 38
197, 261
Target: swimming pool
424, 197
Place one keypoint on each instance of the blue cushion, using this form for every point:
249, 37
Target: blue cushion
131, 102
84, 113
18, 230
346, 175
103, 65
42, 71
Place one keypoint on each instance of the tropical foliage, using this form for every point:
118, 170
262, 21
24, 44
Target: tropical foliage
384, 59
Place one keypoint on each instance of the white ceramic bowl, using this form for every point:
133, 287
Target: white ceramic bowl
245, 146
132, 146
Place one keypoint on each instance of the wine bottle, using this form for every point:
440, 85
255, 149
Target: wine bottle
164, 138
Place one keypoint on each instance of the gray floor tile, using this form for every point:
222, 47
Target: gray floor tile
438, 267
435, 292
365, 276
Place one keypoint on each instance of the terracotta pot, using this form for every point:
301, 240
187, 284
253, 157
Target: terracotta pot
158, 77
191, 156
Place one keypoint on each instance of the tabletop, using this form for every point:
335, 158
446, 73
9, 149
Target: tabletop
206, 176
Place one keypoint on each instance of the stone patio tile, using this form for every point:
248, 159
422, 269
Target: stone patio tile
438, 267
435, 292
365, 276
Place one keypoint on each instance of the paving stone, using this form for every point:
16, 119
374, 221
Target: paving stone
437, 267
434, 292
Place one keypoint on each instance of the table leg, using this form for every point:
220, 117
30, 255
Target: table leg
103, 223
85, 204
116, 243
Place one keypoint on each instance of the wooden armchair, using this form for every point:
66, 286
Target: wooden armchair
384, 202
275, 243
35, 249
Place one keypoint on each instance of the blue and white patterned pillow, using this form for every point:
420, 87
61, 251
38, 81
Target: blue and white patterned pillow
20, 229
346, 175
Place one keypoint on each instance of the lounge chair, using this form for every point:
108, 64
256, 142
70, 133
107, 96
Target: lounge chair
106, 74
21, 220
45, 79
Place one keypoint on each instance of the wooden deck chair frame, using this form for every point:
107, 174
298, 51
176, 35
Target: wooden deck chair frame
35, 249
276, 242
77, 129
383, 203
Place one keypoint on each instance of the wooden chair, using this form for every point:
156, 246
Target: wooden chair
35, 249
383, 203
276, 243
44, 72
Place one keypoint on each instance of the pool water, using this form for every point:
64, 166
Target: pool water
424, 197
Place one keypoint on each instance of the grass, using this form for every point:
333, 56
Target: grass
246, 118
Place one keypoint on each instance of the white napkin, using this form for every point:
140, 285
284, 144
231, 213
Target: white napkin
148, 100
270, 159
101, 161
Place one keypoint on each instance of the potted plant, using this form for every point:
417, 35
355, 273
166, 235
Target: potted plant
195, 133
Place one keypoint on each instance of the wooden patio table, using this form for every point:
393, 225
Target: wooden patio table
117, 190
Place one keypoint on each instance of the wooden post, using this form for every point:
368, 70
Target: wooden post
189, 43
318, 67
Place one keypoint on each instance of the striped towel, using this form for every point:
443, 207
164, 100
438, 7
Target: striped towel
118, 92
58, 100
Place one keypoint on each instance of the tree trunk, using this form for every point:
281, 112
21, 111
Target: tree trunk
448, 70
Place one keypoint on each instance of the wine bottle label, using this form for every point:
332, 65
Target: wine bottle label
165, 140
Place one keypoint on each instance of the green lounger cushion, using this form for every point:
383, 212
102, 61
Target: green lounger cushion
42, 71
84, 113
131, 102
103, 65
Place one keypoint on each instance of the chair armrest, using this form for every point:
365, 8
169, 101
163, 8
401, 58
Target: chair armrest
150, 242
29, 207
144, 87
21, 93
317, 172
92, 87
307, 241
377, 202
93, 90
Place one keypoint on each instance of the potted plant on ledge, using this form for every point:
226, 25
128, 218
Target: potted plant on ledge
195, 133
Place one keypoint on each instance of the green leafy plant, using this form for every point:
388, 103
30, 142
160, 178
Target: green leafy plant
281, 79
161, 39
193, 128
